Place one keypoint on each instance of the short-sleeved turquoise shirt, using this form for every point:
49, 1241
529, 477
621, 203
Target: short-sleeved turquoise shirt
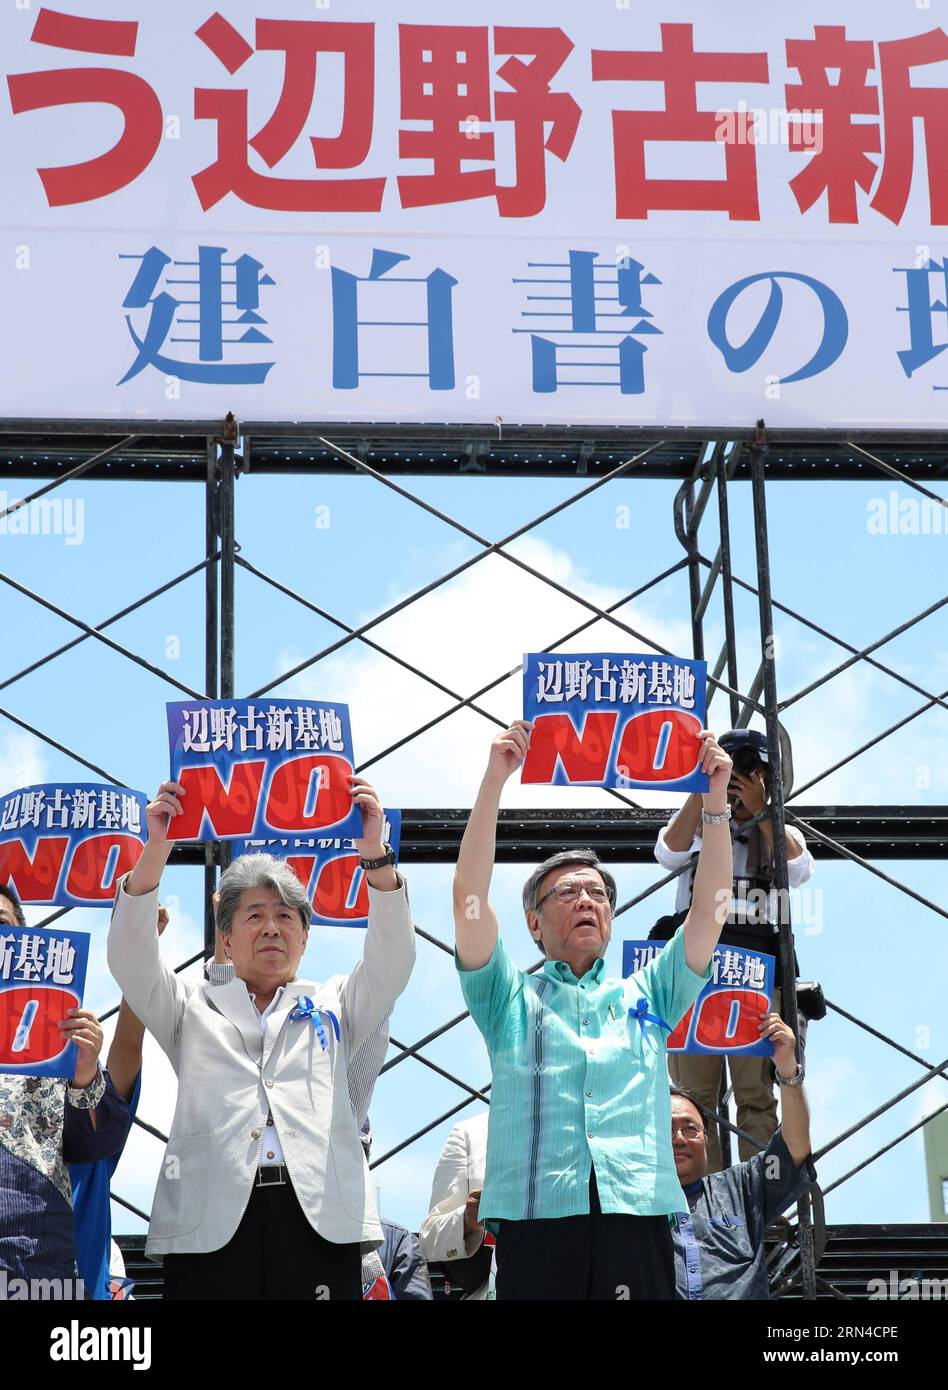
578, 1082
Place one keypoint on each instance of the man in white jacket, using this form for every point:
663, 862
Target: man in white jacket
451, 1231
264, 1192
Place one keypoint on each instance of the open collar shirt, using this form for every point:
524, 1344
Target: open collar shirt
579, 1084
271, 1152
719, 1243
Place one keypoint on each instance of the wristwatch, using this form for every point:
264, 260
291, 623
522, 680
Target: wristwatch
719, 818
790, 1080
387, 858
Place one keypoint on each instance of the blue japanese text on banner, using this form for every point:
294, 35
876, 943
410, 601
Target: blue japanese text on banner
328, 868
261, 769
614, 720
725, 1015
605, 214
66, 844
42, 977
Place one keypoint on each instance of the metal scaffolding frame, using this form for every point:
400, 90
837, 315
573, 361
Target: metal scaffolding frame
706, 462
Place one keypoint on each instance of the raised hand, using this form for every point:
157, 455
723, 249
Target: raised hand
364, 795
83, 1028
716, 763
509, 749
773, 1028
159, 813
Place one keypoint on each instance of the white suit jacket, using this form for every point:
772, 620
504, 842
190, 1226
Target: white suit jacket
460, 1172
231, 1073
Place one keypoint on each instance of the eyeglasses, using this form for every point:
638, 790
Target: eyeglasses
570, 893
688, 1129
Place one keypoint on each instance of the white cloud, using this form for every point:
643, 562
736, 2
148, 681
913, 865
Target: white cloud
466, 634
930, 1097
22, 761
475, 627
841, 716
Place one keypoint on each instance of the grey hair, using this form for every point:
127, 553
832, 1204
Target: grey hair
588, 857
259, 871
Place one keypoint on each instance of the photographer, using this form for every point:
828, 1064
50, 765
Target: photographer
751, 925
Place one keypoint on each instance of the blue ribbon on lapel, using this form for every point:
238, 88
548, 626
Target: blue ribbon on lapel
640, 1012
305, 1008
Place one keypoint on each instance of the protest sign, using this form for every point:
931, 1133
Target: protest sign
66, 844
725, 1015
328, 868
42, 976
261, 769
614, 720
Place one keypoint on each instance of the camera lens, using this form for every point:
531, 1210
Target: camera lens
745, 760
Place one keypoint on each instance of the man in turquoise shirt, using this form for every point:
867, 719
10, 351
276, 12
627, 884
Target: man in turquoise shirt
580, 1173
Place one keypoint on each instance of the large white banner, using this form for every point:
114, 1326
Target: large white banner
617, 212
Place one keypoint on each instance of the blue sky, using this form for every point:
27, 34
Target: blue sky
877, 953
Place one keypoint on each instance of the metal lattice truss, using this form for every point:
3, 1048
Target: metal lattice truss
705, 465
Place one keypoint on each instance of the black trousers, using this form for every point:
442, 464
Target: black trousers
598, 1256
273, 1254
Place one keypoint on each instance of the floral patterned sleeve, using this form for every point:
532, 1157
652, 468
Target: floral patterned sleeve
87, 1097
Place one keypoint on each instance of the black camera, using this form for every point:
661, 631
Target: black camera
746, 760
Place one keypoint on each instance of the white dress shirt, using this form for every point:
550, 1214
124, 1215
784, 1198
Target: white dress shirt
271, 1151
798, 870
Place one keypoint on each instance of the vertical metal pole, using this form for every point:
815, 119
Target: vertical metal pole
768, 662
694, 577
211, 542
724, 1134
785, 941
731, 646
227, 564
227, 472
807, 1246
728, 587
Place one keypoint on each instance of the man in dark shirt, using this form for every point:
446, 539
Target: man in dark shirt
719, 1244
404, 1267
